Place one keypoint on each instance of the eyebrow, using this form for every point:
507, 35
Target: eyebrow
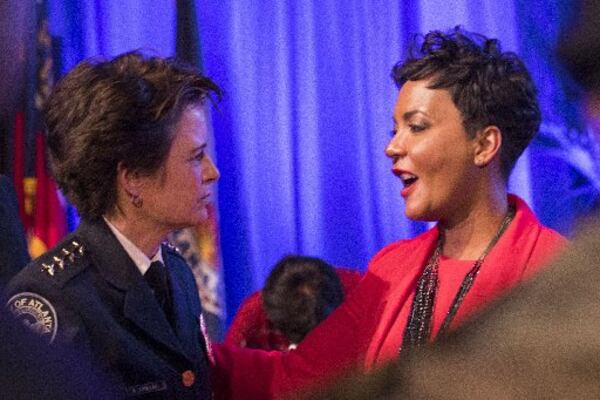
407, 115
198, 148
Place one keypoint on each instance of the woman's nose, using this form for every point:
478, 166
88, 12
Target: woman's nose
396, 147
210, 172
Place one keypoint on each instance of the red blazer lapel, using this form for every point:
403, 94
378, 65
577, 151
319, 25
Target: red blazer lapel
514, 258
401, 269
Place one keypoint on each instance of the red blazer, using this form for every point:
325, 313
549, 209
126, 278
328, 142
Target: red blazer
251, 328
367, 329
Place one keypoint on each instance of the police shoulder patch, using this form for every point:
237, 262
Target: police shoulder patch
35, 312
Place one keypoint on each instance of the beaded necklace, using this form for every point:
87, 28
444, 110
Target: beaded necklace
418, 327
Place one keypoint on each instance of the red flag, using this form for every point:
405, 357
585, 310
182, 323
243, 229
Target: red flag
49, 217
41, 209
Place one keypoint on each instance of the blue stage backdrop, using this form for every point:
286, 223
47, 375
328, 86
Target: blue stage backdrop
299, 136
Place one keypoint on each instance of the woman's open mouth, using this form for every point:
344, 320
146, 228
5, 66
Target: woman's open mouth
408, 181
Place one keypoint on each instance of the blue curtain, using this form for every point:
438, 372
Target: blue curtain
105, 28
300, 134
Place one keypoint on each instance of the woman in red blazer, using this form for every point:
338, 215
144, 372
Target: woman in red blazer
465, 112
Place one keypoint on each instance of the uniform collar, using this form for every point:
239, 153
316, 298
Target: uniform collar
141, 260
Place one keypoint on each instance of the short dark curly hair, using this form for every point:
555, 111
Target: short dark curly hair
299, 293
488, 86
103, 113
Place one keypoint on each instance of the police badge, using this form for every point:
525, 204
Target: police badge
35, 312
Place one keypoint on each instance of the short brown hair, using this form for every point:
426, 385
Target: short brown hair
103, 113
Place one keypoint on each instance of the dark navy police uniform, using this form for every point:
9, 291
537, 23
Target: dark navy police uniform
88, 292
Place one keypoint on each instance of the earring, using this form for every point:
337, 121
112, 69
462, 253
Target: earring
137, 201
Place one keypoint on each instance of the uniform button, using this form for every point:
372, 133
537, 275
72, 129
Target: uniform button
188, 378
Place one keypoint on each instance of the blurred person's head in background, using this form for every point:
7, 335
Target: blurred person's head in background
299, 293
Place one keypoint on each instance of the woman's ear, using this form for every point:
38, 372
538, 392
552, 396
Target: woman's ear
488, 142
128, 181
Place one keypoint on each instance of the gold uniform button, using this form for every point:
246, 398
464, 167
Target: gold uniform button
188, 378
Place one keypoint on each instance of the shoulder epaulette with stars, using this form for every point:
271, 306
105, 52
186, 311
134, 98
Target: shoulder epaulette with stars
67, 255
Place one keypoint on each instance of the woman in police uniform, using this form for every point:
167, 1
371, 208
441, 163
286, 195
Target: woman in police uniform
127, 143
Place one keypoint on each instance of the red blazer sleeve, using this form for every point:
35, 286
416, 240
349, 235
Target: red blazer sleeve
333, 347
251, 327
349, 278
